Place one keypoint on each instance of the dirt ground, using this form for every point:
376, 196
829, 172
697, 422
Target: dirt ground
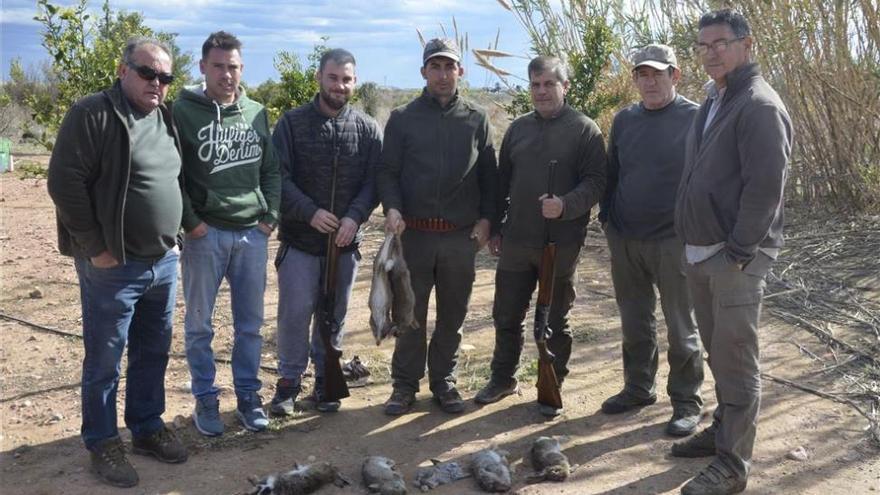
41, 452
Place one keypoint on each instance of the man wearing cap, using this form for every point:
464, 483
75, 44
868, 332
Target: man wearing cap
645, 159
554, 131
437, 185
729, 213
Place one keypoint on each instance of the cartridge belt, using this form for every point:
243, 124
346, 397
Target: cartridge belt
429, 224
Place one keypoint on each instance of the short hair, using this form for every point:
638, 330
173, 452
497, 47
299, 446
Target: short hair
737, 22
135, 42
221, 40
339, 56
545, 63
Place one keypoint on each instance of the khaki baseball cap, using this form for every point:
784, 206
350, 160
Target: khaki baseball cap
660, 57
441, 47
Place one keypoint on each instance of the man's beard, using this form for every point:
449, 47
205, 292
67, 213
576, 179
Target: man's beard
332, 102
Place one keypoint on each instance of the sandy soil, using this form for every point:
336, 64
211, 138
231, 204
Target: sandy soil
41, 452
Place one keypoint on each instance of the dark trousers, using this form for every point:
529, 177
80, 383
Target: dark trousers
727, 304
515, 281
636, 267
443, 262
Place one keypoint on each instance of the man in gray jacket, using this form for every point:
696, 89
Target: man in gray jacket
645, 159
729, 214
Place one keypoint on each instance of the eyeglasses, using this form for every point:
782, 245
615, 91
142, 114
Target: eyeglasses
718, 46
148, 74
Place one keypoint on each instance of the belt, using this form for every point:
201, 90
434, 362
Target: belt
429, 224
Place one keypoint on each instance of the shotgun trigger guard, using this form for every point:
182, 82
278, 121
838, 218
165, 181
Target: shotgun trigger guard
542, 323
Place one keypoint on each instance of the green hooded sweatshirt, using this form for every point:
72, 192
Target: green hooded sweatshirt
230, 170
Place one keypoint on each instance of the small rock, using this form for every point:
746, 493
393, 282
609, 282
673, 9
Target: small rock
179, 422
798, 454
467, 347
27, 403
36, 293
311, 458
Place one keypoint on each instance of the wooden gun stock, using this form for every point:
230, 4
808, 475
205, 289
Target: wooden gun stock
548, 383
335, 387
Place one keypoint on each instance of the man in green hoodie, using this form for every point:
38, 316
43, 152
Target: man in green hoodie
230, 207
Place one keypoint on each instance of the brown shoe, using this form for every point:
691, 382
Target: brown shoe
111, 465
162, 445
450, 401
700, 445
400, 402
714, 480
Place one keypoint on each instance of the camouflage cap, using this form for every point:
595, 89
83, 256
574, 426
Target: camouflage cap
660, 57
441, 47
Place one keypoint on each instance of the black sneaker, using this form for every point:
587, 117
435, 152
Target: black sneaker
400, 402
623, 402
316, 398
495, 391
450, 401
285, 397
700, 445
111, 465
714, 480
163, 445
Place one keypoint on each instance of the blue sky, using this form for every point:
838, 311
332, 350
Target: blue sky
380, 33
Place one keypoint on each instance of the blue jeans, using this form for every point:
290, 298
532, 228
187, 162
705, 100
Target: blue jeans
131, 303
299, 286
240, 257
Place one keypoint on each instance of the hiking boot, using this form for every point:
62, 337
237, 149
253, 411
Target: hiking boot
494, 391
700, 445
316, 398
623, 402
285, 397
682, 424
400, 402
163, 445
714, 480
356, 373
450, 401
250, 412
549, 411
111, 465
206, 416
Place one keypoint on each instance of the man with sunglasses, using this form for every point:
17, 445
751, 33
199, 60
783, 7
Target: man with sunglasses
729, 213
231, 194
113, 177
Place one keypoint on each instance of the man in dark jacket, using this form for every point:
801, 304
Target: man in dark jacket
438, 182
536, 211
114, 179
316, 141
729, 215
645, 159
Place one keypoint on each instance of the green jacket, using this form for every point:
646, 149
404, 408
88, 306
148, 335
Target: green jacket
89, 172
439, 162
230, 171
575, 142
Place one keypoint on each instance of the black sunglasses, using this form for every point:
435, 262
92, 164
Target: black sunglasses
148, 74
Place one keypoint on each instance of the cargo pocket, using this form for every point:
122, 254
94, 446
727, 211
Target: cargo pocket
735, 299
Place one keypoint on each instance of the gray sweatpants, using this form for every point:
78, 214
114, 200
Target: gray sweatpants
442, 262
636, 267
727, 304
300, 276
